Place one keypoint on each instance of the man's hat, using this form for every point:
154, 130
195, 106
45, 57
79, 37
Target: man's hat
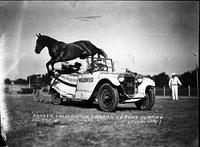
173, 74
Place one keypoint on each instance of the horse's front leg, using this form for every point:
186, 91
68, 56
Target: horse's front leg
47, 66
51, 62
92, 63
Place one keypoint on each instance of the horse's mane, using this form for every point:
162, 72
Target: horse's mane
49, 38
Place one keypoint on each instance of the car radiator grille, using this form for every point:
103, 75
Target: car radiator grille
128, 85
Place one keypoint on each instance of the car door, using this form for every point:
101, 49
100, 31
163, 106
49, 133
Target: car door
86, 85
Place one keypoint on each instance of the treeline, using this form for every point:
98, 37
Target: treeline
187, 78
34, 80
161, 80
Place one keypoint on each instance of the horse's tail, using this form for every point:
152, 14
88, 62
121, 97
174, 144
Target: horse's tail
101, 52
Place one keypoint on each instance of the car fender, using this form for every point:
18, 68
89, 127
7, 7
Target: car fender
145, 83
148, 82
112, 78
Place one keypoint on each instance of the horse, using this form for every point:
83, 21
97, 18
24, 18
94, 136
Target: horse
61, 51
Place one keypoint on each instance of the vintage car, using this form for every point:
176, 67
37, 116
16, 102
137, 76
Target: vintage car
100, 83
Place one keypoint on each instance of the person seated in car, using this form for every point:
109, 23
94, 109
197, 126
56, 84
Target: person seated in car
98, 65
68, 69
76, 67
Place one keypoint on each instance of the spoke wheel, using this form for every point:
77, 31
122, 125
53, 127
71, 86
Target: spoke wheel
108, 98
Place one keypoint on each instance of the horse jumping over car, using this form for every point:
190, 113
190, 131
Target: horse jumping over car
60, 51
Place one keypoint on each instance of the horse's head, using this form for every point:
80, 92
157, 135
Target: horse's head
40, 43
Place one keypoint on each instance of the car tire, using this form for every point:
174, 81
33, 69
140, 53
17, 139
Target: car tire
108, 98
56, 99
147, 102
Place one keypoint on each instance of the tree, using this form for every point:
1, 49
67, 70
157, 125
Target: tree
34, 80
38, 80
46, 79
7, 81
161, 79
188, 78
20, 81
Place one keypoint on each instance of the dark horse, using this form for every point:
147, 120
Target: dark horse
60, 51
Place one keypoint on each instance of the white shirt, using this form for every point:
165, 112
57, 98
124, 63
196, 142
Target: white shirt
174, 81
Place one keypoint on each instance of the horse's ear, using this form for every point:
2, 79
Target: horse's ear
37, 35
40, 34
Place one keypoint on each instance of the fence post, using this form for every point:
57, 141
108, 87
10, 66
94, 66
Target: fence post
164, 90
188, 90
29, 82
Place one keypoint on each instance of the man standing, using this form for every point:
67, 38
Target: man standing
173, 84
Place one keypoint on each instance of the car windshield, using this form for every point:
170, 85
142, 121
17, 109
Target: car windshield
85, 66
100, 64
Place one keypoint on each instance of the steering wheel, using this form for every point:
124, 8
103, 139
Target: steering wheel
101, 66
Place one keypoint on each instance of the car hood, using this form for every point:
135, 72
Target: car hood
105, 74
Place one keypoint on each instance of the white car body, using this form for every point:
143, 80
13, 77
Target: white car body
82, 86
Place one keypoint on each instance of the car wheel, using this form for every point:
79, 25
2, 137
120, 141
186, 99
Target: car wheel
55, 98
147, 102
108, 98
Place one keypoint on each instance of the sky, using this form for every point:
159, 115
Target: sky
148, 37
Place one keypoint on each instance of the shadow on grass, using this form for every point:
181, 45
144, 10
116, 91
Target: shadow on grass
84, 104
94, 105
80, 104
127, 108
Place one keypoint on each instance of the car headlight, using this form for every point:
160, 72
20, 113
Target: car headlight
121, 77
139, 78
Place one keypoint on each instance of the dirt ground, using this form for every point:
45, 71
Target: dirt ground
169, 123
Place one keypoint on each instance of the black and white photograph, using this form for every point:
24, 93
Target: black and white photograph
99, 73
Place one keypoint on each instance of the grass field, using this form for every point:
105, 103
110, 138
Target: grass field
169, 123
